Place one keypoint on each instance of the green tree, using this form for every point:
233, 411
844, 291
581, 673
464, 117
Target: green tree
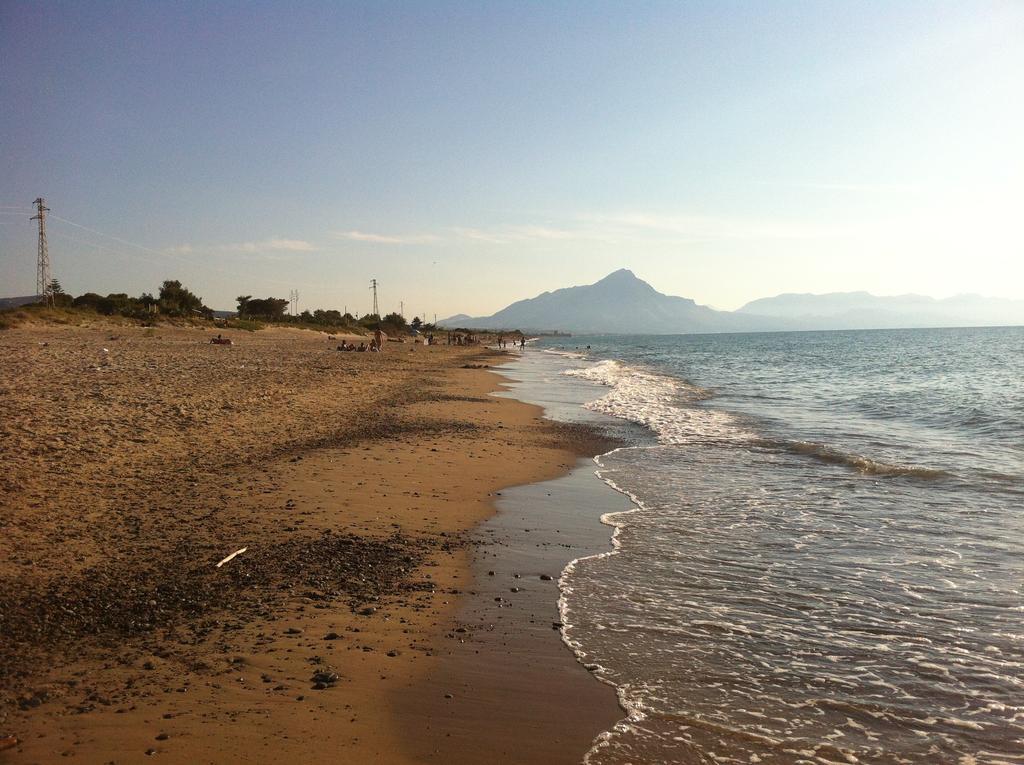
95, 302
267, 308
416, 323
176, 300
369, 321
395, 320
57, 295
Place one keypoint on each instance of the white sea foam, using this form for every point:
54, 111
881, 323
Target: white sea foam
630, 702
660, 403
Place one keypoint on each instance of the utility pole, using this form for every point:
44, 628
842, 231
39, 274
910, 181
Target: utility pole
401, 308
43, 259
373, 286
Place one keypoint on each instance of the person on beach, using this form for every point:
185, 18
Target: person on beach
522, 343
378, 340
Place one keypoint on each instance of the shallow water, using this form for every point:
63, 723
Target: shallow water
827, 559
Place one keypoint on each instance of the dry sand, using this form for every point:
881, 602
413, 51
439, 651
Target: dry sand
134, 460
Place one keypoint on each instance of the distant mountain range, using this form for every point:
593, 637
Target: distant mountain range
17, 302
623, 304
862, 310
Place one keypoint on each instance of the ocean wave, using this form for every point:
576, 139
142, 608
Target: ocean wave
660, 403
565, 354
668, 406
859, 463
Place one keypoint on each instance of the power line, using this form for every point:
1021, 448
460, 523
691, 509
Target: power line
119, 253
163, 254
159, 256
108, 236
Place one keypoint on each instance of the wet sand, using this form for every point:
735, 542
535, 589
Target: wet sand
505, 660
350, 479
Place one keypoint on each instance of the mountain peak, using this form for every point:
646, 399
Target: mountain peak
621, 284
622, 275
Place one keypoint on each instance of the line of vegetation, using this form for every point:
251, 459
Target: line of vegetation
176, 304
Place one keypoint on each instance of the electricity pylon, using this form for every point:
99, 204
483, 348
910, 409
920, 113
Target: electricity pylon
43, 258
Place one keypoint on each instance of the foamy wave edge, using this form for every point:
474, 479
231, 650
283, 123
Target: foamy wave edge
653, 400
657, 402
635, 711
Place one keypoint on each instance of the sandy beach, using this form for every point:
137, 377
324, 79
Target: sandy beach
137, 459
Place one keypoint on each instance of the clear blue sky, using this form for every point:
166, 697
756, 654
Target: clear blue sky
471, 154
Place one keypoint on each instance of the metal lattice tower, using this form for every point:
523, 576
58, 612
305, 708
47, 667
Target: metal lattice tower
373, 286
43, 260
293, 299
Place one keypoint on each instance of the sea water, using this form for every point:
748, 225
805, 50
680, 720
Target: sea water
826, 560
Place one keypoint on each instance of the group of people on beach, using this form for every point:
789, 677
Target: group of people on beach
376, 344
454, 338
503, 343
457, 338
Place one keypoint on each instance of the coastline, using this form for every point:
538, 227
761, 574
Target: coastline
507, 661
239, 682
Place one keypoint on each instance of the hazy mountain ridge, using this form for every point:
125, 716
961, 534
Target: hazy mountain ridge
621, 303
850, 310
17, 302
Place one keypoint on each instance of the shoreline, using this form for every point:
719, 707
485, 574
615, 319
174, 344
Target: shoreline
507, 659
240, 683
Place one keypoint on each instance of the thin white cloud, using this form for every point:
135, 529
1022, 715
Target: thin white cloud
492, 235
275, 244
529, 233
615, 228
479, 235
546, 232
364, 236
863, 188
702, 228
